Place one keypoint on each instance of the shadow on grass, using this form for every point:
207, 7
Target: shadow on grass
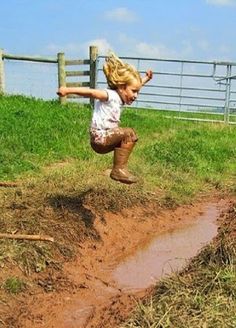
75, 205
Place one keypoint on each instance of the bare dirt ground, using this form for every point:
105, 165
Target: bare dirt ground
83, 292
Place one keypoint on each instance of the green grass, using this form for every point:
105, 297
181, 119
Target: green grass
183, 157
14, 285
35, 133
178, 157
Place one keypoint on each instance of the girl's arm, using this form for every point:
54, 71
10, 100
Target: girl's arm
84, 92
147, 77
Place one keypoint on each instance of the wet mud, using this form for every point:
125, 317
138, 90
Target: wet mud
135, 251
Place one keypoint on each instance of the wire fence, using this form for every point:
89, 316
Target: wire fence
33, 79
197, 88
192, 89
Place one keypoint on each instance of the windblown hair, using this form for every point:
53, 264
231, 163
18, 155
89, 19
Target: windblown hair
119, 73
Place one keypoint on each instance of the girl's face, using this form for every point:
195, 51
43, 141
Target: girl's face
129, 92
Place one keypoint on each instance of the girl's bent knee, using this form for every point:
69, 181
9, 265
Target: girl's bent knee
130, 135
101, 149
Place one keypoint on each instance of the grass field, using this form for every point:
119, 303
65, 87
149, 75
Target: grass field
178, 157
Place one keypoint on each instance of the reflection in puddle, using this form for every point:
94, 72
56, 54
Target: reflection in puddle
167, 253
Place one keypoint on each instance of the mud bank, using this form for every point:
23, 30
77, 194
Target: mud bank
109, 276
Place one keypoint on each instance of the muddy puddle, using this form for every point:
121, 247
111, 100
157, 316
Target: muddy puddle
167, 253
164, 255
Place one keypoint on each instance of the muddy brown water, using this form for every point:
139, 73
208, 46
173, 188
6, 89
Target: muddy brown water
165, 254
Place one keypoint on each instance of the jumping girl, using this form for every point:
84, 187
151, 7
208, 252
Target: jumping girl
124, 83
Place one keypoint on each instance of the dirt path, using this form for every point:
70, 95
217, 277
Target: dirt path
84, 293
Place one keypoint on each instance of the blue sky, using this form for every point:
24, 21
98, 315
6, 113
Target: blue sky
184, 29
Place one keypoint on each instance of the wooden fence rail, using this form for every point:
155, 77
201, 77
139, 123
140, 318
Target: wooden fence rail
63, 73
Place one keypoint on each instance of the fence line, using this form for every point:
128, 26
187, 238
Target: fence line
63, 73
199, 88
29, 58
184, 86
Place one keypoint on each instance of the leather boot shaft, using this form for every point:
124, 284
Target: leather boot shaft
120, 171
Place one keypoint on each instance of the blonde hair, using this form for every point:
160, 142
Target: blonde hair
119, 73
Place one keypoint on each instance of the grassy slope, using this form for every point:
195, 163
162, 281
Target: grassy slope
35, 133
46, 148
179, 157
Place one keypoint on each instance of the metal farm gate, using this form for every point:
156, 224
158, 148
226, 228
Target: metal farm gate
194, 90
186, 89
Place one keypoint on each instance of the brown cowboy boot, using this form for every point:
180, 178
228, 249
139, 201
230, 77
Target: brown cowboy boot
119, 171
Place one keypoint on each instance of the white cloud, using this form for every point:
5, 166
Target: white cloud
137, 48
125, 45
121, 14
67, 48
144, 49
222, 2
80, 49
103, 45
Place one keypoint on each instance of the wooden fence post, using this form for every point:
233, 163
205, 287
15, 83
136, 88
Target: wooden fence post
2, 75
93, 54
61, 73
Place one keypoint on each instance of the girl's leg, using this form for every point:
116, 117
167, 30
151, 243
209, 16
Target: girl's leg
122, 141
121, 156
118, 137
120, 162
